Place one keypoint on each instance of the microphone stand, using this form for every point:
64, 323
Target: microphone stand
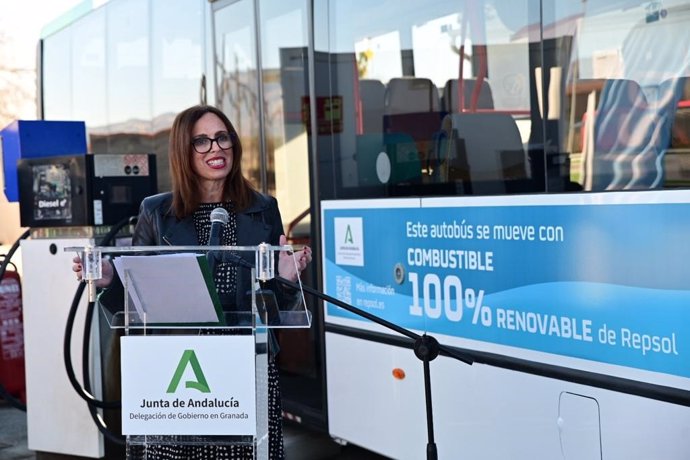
426, 348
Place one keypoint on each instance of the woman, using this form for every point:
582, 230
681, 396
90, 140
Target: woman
205, 165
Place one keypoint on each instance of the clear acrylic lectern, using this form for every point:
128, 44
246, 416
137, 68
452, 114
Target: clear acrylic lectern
196, 341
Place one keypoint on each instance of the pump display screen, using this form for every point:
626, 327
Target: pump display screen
120, 194
52, 191
78, 190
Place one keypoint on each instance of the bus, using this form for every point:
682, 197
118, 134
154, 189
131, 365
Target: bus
507, 176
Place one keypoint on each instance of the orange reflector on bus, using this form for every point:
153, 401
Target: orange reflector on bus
398, 373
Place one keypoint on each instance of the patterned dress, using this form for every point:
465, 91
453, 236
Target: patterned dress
225, 278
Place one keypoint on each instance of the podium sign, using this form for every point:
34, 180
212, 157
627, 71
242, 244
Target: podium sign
188, 385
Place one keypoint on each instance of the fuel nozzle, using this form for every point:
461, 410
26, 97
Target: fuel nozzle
93, 271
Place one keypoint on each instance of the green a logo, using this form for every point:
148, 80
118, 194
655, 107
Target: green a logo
189, 358
348, 236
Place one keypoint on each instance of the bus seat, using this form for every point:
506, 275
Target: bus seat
450, 95
619, 103
401, 155
412, 109
369, 146
406, 166
488, 146
411, 95
632, 133
618, 133
664, 109
372, 94
680, 131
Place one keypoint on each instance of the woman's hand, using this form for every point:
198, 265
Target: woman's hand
286, 261
106, 271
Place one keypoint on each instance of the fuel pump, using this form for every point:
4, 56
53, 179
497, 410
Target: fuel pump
67, 197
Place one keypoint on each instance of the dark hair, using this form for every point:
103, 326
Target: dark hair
185, 183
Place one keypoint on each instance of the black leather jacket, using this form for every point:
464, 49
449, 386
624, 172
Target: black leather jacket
158, 226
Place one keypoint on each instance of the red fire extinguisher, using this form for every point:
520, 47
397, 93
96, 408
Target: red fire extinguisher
12, 375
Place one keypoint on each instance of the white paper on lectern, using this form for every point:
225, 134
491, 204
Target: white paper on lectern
168, 288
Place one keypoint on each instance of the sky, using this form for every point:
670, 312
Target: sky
22, 20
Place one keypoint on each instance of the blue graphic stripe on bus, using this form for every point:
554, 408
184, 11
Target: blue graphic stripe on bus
606, 283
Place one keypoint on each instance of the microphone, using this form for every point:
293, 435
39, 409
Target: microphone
219, 218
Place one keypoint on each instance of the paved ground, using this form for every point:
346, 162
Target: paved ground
300, 444
13, 434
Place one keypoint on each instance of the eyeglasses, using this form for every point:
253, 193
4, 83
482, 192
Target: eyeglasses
204, 144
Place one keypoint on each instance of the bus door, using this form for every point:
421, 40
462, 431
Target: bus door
261, 82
